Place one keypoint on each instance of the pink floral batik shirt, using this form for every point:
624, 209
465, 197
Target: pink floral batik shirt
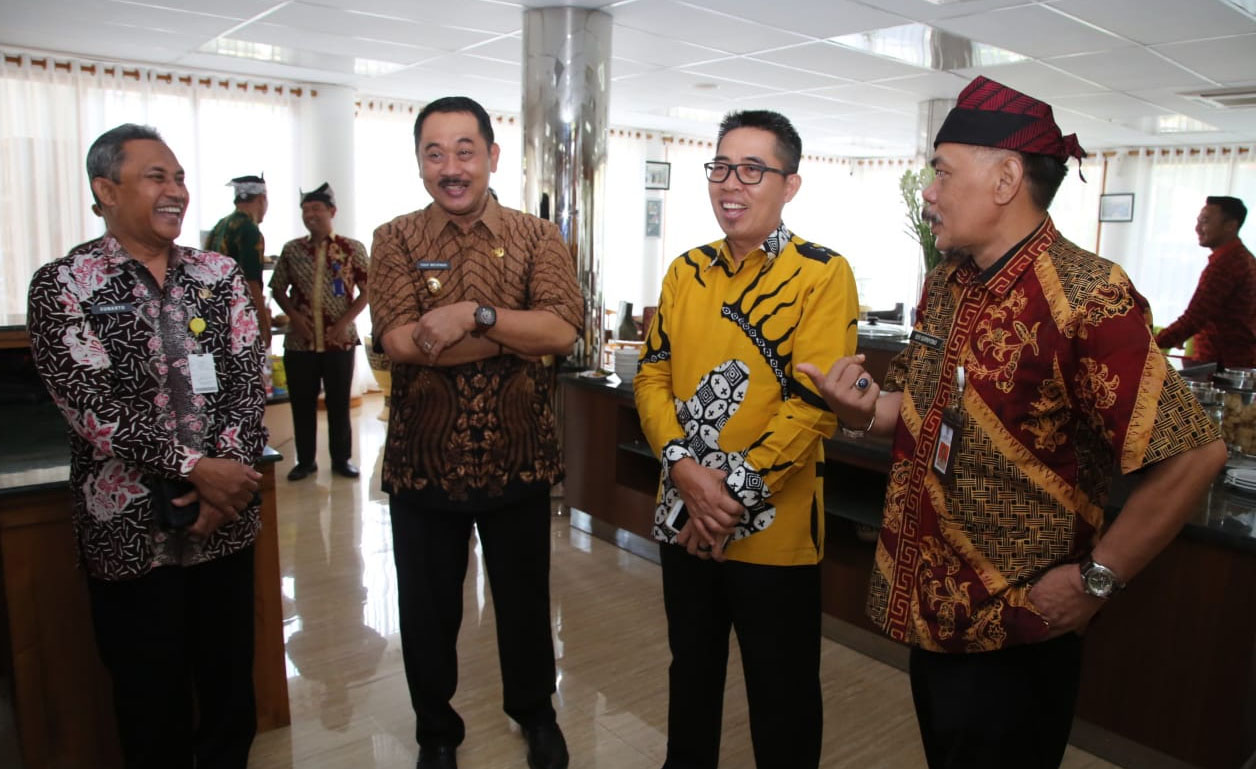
112, 348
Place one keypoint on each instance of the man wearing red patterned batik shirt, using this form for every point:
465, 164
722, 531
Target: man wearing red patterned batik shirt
1030, 373
1222, 313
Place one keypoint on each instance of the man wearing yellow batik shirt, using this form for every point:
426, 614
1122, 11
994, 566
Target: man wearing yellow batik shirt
1031, 373
740, 514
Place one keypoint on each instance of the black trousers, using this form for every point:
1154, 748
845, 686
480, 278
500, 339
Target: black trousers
178, 644
992, 710
334, 370
430, 548
776, 613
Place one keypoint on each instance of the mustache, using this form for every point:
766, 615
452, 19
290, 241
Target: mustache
450, 181
930, 216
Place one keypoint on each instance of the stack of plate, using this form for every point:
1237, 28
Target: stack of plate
1242, 479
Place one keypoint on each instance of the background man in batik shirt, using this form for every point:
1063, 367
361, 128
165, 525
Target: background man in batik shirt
314, 283
151, 352
467, 296
739, 436
1032, 366
238, 236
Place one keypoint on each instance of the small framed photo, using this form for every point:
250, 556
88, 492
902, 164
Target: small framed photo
1118, 207
658, 175
653, 218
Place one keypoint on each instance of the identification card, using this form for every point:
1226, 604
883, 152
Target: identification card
928, 340
948, 443
204, 377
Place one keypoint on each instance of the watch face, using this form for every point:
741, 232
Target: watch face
1098, 583
485, 316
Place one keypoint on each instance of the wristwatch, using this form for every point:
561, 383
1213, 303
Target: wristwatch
1098, 580
485, 318
853, 433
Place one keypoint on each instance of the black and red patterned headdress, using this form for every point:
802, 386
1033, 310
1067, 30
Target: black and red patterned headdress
989, 114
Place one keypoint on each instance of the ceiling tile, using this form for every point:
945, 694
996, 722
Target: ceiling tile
649, 48
1031, 30
1109, 106
1229, 60
456, 65
933, 85
842, 62
862, 95
1161, 21
806, 17
764, 74
676, 21
335, 21
488, 15
1127, 69
508, 48
920, 10
1034, 78
293, 41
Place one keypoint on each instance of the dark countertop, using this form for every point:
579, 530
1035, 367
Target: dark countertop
35, 452
1225, 517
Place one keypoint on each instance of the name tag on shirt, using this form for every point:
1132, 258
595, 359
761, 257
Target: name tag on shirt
204, 377
116, 308
432, 266
928, 340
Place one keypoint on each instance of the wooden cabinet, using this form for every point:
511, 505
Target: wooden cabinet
61, 692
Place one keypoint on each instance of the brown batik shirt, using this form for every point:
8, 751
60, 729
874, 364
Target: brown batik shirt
1064, 382
470, 435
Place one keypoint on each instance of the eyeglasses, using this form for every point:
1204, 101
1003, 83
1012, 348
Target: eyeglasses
747, 173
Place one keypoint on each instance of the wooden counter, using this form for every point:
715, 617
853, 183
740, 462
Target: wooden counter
60, 689
1169, 676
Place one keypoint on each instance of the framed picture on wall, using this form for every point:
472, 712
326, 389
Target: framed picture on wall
1118, 207
653, 218
658, 175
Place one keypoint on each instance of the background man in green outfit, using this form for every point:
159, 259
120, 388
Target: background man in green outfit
238, 236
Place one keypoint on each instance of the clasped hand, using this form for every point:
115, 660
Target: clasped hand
713, 512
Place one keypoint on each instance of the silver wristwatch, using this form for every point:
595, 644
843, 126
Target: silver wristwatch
1098, 580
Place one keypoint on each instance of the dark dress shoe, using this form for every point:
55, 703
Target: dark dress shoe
437, 757
346, 468
298, 472
546, 747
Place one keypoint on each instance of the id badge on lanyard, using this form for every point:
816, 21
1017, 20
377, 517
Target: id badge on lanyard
949, 432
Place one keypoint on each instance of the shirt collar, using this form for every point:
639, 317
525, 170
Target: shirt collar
1233, 245
772, 246
438, 219
999, 277
117, 256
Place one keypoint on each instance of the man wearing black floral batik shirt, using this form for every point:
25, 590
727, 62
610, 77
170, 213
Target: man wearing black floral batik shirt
151, 351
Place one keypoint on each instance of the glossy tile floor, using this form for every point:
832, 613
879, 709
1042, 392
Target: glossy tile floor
350, 706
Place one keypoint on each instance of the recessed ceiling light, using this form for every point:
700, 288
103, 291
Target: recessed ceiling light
706, 86
923, 46
245, 49
375, 67
1180, 124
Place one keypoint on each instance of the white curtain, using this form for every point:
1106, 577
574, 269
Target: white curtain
626, 275
50, 113
687, 217
1159, 248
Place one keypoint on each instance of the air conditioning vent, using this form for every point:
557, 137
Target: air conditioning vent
1226, 98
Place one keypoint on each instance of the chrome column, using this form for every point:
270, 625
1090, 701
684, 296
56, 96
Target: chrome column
566, 90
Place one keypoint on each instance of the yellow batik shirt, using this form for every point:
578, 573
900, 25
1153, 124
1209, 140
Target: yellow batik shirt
716, 382
1062, 383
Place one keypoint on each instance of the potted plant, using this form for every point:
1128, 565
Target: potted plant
911, 184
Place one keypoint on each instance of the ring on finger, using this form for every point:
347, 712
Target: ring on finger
704, 548
862, 383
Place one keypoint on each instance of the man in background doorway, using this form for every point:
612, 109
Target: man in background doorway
314, 282
740, 514
237, 235
1221, 315
468, 297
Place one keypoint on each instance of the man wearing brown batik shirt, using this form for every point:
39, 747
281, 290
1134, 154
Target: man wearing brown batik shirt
1031, 372
468, 297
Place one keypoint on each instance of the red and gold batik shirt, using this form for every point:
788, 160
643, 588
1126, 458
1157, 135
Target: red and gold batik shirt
1064, 382
312, 270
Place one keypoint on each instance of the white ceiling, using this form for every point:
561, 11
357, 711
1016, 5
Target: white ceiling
1112, 68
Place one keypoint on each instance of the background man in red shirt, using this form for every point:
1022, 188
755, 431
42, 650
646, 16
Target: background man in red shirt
1222, 313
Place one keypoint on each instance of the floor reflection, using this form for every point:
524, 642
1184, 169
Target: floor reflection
349, 701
